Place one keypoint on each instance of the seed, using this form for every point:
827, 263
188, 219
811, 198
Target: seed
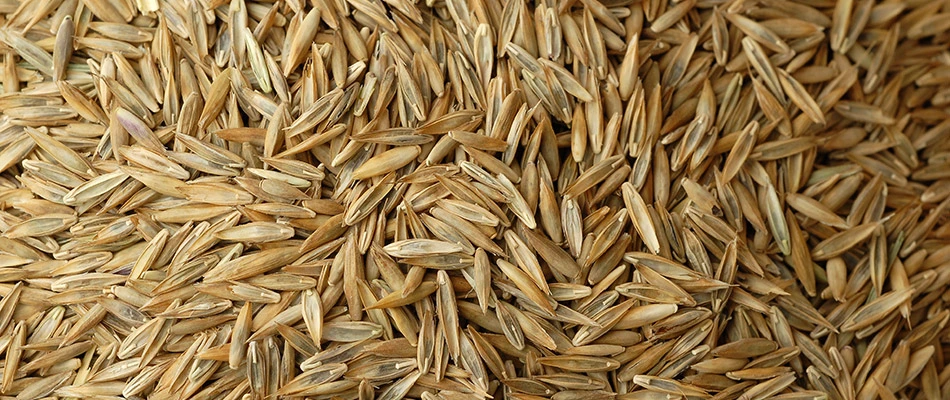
430, 199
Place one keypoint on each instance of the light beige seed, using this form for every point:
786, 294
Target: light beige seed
422, 158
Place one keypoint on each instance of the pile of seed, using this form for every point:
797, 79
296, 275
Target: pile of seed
452, 199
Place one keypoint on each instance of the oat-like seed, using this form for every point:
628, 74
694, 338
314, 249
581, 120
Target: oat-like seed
395, 199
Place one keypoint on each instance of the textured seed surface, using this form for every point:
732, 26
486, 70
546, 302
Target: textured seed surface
450, 199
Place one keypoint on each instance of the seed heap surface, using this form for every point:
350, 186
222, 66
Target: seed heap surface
452, 199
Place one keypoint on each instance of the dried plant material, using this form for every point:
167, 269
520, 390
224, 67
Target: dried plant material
249, 199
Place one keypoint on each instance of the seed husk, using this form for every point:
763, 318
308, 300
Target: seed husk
398, 199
